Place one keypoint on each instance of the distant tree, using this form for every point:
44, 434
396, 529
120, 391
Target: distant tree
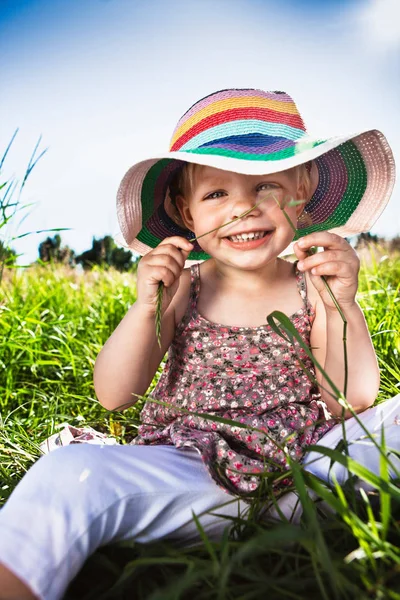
50, 250
105, 252
394, 244
8, 256
122, 259
367, 238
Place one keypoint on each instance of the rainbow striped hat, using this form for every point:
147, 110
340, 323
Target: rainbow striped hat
257, 133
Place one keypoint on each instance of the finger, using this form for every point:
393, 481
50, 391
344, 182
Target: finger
324, 239
308, 262
164, 274
164, 260
177, 254
299, 252
178, 242
339, 269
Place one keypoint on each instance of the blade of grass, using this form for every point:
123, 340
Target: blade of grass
357, 469
207, 544
385, 499
323, 557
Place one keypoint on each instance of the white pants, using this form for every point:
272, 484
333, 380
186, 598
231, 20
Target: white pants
81, 497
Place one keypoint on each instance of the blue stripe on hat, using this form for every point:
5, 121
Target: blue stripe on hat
245, 127
250, 139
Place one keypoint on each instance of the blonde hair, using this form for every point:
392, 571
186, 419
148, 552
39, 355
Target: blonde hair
304, 175
183, 182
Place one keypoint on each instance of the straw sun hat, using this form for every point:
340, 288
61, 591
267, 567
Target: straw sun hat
257, 133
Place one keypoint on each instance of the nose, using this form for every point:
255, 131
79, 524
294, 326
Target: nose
247, 204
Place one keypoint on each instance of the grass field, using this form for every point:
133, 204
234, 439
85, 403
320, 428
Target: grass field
53, 324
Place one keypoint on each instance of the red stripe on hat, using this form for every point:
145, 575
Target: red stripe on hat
236, 114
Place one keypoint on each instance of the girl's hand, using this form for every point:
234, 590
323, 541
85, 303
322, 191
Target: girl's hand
338, 262
165, 263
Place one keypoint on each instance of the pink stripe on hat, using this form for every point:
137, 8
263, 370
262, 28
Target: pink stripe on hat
228, 94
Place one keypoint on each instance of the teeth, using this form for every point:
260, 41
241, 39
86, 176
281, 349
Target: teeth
244, 237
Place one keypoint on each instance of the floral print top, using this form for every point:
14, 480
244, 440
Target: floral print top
249, 375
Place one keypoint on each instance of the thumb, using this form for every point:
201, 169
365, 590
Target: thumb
299, 252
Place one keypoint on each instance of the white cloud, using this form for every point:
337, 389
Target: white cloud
381, 21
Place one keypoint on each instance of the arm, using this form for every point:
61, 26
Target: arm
340, 265
327, 344
129, 359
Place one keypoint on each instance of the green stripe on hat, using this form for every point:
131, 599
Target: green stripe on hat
279, 155
357, 184
148, 238
148, 186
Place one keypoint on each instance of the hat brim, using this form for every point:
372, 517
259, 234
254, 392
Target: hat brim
352, 179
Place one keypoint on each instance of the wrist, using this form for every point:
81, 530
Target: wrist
345, 306
347, 309
145, 311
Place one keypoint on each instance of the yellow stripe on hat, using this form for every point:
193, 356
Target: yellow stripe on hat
231, 103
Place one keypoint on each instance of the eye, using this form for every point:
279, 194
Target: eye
266, 186
214, 195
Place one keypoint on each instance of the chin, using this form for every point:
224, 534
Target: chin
247, 264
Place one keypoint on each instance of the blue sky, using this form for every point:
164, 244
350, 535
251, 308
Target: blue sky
105, 81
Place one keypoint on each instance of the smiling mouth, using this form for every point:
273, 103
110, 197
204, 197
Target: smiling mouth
247, 237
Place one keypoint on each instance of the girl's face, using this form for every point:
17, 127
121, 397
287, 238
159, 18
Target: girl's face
218, 197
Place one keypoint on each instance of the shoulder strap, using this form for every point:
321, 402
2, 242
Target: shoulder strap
191, 308
302, 287
194, 284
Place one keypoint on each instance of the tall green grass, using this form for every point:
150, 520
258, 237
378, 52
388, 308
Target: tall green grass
53, 323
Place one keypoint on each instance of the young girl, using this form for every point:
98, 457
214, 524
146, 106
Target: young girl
237, 159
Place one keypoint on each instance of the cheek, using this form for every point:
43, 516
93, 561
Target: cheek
284, 227
204, 220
